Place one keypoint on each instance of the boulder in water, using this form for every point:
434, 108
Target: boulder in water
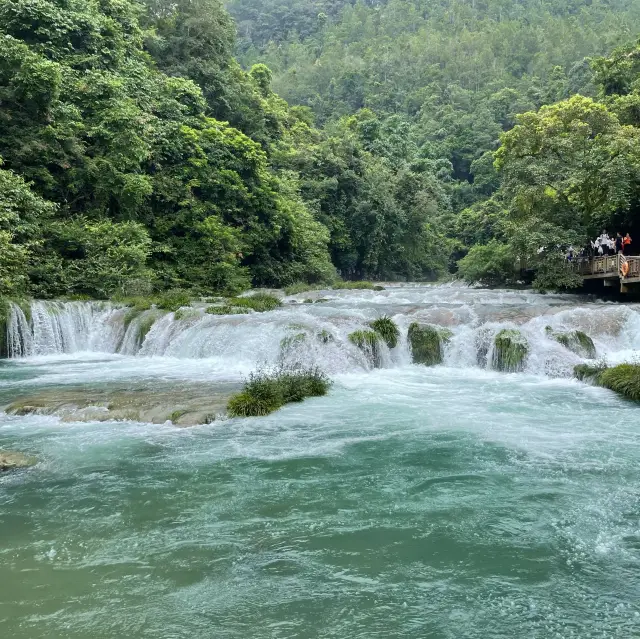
12, 461
369, 343
510, 350
576, 341
427, 343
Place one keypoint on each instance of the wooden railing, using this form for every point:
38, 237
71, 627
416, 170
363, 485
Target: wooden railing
609, 266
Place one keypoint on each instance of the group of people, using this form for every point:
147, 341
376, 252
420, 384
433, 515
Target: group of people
605, 245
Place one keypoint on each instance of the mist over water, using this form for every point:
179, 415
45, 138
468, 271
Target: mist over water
444, 502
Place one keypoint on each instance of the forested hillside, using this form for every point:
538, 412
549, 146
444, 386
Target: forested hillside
139, 155
447, 78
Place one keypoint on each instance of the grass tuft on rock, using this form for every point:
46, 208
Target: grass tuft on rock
510, 351
267, 390
427, 343
387, 329
260, 302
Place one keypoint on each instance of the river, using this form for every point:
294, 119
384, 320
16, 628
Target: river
447, 502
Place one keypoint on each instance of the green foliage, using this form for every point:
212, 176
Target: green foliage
267, 390
427, 343
260, 302
510, 350
186, 314
491, 264
387, 329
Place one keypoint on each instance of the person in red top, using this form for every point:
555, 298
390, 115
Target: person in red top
626, 245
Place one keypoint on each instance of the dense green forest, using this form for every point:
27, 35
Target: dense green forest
373, 140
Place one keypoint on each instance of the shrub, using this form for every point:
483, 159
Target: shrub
260, 302
490, 264
387, 329
267, 390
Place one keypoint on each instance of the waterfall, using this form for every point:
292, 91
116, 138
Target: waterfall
318, 334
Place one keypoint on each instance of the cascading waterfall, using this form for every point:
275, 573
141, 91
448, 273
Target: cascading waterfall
318, 333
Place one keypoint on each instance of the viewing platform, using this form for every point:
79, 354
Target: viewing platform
609, 269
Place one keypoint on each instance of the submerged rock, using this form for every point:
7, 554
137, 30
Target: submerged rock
427, 343
576, 341
12, 461
185, 404
510, 350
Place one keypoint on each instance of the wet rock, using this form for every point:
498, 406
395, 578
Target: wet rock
510, 350
12, 461
369, 343
427, 343
577, 342
181, 404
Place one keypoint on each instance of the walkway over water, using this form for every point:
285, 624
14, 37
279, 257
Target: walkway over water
610, 268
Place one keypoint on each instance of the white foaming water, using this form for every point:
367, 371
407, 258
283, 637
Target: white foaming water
318, 333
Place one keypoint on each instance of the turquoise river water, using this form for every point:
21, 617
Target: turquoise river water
444, 503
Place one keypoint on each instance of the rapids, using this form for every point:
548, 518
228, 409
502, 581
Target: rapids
444, 502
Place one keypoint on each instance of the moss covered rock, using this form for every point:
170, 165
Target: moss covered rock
369, 343
510, 350
576, 341
427, 343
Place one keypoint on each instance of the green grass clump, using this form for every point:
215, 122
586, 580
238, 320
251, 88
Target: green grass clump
265, 391
510, 351
387, 329
577, 342
226, 310
260, 302
427, 343
173, 300
623, 379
